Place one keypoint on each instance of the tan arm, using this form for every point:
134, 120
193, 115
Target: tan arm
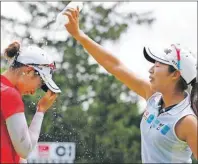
186, 130
114, 66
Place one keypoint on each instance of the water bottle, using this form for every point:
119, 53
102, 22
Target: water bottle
61, 19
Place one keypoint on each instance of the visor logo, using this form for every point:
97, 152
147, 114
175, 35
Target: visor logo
174, 62
167, 51
52, 66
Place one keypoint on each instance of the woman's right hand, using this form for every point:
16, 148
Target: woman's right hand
46, 101
73, 25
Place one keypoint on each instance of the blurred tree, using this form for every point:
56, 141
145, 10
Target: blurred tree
94, 109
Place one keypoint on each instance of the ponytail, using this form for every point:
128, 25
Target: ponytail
11, 53
12, 50
194, 96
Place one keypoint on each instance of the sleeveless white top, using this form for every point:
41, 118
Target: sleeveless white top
159, 143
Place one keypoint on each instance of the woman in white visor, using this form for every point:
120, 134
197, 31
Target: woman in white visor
30, 70
169, 123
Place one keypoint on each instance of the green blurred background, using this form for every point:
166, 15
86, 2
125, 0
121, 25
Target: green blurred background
91, 110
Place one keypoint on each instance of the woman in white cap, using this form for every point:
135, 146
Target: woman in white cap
30, 70
169, 123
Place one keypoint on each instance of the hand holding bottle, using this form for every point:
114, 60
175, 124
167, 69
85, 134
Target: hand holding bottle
63, 19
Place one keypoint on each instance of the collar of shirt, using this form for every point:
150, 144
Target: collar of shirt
6, 81
175, 109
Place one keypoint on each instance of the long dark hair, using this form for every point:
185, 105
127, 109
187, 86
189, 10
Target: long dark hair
182, 86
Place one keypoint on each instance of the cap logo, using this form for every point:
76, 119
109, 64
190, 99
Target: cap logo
52, 66
174, 62
178, 56
167, 51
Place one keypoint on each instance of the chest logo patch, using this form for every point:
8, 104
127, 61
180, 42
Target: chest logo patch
157, 124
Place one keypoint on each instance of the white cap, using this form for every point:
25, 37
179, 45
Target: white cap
180, 58
41, 62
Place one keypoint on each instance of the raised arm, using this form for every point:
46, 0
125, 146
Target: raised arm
112, 64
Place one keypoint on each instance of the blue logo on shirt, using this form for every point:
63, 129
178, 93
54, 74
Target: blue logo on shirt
161, 127
150, 118
165, 129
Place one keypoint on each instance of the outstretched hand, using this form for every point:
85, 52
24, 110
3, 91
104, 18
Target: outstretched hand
73, 25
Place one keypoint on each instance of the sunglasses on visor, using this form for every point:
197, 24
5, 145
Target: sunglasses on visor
52, 67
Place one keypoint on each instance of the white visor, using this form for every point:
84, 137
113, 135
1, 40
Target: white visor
46, 74
180, 58
41, 62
